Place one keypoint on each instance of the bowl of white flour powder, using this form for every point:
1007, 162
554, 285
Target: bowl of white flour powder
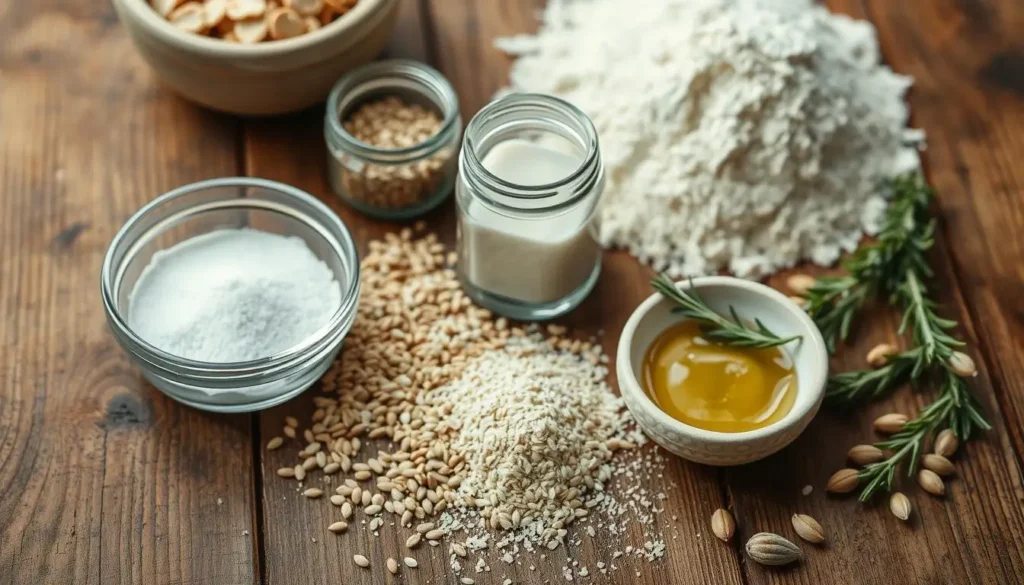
233, 294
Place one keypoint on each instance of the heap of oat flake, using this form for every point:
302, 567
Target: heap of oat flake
745, 135
539, 429
440, 419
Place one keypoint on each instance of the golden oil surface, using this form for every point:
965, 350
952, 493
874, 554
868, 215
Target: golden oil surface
716, 387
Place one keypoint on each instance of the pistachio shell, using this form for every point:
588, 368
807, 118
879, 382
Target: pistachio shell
900, 506
946, 443
843, 481
808, 528
890, 423
931, 482
722, 524
879, 355
865, 454
771, 549
938, 464
962, 364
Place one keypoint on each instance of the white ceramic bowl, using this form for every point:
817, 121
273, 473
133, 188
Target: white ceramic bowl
751, 300
264, 78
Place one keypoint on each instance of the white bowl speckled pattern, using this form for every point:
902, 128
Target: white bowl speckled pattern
751, 300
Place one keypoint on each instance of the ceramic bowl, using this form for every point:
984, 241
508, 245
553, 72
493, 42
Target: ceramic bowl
267, 78
750, 299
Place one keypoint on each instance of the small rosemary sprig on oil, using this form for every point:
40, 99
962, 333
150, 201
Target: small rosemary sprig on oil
714, 326
895, 268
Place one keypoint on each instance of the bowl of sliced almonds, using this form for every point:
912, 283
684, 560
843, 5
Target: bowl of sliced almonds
256, 57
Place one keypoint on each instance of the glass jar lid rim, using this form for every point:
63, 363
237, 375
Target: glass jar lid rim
415, 71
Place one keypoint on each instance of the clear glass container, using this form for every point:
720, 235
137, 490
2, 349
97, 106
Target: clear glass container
527, 237
231, 203
393, 183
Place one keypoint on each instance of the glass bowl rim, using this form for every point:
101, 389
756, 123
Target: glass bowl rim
284, 360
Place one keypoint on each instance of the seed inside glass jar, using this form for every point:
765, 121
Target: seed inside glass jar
389, 122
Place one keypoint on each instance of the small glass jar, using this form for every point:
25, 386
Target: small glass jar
393, 183
527, 233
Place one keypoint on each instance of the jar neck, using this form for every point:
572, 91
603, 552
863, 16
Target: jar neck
412, 81
531, 116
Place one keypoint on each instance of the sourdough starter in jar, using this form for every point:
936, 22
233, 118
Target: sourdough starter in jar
536, 261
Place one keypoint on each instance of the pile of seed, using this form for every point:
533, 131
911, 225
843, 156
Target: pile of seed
480, 425
539, 428
392, 124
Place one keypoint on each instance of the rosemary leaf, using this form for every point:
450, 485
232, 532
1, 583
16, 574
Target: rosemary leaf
714, 326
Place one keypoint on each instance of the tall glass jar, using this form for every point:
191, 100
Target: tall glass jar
530, 178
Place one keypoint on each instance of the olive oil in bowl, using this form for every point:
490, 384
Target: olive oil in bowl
716, 387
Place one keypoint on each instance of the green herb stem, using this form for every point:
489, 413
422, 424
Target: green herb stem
714, 326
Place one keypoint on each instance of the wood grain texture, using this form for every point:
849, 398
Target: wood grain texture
966, 537
968, 62
297, 546
103, 480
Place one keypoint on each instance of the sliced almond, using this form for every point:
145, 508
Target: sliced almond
285, 23
189, 17
305, 7
214, 12
245, 9
252, 30
165, 7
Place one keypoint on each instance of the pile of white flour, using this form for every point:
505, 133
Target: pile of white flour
739, 134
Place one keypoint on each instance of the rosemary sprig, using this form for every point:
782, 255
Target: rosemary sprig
716, 327
879, 268
896, 268
849, 387
929, 330
955, 408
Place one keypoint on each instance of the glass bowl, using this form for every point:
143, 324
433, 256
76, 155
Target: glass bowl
231, 203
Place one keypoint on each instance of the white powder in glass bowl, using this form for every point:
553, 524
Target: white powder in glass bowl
233, 295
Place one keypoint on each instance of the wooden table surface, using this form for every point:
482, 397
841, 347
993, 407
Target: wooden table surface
103, 480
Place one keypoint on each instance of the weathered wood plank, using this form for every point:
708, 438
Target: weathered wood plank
102, 479
291, 150
969, 95
297, 545
966, 537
